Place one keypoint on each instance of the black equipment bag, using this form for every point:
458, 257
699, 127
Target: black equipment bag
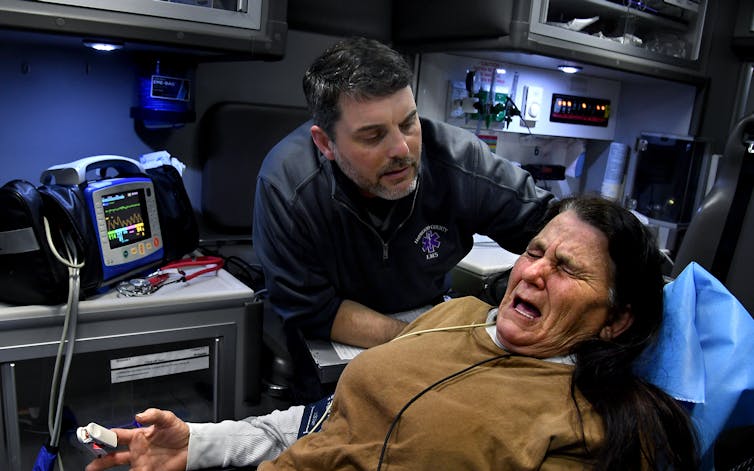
29, 271
180, 231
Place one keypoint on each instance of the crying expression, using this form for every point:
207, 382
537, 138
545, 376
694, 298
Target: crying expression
558, 290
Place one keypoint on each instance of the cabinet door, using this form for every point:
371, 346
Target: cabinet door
651, 33
417, 22
661, 38
253, 28
236, 13
110, 380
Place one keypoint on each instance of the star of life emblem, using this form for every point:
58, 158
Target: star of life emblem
430, 243
429, 240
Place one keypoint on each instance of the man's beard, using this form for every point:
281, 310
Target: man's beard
376, 188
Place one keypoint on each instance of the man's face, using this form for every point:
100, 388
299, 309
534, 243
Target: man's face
377, 144
558, 291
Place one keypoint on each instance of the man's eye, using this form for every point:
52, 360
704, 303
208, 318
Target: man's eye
533, 253
407, 127
372, 138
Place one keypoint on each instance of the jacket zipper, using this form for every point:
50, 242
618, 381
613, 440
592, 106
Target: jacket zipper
385, 244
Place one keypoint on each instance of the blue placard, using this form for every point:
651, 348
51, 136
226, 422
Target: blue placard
170, 88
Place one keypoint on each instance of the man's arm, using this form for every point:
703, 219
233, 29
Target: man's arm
356, 324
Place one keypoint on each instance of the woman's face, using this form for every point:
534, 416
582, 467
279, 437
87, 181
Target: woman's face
558, 290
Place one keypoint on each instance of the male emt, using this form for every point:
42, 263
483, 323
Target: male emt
363, 211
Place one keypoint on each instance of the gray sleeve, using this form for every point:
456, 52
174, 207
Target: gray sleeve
495, 197
280, 234
509, 204
245, 442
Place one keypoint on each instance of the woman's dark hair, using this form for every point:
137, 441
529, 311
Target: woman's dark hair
357, 67
642, 423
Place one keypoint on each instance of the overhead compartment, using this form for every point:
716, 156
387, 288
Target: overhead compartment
369, 18
660, 38
418, 23
245, 28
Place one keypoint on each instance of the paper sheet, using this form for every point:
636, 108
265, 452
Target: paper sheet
348, 352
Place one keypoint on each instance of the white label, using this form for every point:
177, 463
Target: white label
159, 364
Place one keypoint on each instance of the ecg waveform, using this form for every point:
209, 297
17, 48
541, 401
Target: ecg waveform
124, 218
118, 222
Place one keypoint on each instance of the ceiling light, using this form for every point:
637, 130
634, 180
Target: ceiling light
570, 69
106, 46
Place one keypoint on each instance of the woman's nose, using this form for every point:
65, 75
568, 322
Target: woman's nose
536, 271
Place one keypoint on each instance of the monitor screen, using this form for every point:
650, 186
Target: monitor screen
126, 217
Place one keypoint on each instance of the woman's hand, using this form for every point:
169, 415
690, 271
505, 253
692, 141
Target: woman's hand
161, 445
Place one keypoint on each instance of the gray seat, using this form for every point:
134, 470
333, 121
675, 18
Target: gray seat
233, 140
720, 236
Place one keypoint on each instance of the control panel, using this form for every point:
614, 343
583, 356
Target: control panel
579, 110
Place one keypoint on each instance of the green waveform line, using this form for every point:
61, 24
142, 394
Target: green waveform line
123, 208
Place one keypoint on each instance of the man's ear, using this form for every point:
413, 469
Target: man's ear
323, 142
619, 323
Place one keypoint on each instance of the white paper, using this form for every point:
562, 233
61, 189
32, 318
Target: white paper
158, 364
349, 352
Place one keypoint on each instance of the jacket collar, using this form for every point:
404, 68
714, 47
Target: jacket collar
346, 193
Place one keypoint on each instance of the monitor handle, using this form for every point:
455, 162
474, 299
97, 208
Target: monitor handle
74, 173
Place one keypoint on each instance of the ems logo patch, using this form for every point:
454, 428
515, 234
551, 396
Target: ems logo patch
429, 238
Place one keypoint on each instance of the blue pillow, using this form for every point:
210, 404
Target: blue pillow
705, 355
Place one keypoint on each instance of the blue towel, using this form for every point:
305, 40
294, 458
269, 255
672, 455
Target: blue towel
705, 355
45, 459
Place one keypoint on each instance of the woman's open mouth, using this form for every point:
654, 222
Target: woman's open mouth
526, 309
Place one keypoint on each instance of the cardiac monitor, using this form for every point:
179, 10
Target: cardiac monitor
123, 211
124, 214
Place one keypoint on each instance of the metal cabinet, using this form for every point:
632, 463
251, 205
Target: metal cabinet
660, 38
194, 348
253, 28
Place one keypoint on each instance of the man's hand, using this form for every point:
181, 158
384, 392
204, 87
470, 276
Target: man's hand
356, 324
161, 445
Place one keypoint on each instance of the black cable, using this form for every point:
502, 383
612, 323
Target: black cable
426, 390
251, 269
259, 295
250, 274
510, 104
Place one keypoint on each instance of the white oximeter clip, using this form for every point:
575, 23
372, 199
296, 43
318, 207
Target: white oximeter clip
97, 438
